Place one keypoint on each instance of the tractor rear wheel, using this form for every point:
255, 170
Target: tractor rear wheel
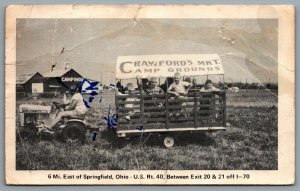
74, 132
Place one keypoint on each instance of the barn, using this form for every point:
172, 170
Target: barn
57, 81
53, 82
27, 84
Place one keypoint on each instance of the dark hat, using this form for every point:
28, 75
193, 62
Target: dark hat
73, 88
208, 81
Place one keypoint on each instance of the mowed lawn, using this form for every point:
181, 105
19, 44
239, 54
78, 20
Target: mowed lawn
250, 142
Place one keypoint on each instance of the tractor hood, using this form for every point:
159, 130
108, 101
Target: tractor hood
33, 108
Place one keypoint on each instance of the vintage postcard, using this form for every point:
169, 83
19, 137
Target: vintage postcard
150, 94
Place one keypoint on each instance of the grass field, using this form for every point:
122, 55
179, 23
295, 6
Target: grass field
250, 142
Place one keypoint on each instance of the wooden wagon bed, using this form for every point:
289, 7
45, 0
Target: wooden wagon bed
162, 113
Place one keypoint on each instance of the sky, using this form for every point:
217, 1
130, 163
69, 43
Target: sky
247, 47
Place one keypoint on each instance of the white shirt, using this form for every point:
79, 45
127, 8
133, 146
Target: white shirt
180, 87
80, 106
66, 100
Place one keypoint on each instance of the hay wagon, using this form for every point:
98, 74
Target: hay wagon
162, 113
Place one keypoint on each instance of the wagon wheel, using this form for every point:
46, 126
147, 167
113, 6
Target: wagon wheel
169, 142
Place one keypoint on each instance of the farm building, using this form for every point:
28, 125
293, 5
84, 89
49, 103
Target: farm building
27, 84
57, 81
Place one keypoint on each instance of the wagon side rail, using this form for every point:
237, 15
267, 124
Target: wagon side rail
160, 113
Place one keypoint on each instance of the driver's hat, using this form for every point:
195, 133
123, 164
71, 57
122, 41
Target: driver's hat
73, 88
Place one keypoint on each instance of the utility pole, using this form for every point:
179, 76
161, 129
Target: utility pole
224, 85
246, 85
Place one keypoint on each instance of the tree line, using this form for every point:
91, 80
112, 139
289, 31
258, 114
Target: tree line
253, 85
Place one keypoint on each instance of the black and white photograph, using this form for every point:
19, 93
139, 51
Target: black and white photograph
143, 94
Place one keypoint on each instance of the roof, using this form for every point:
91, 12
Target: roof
25, 77
56, 73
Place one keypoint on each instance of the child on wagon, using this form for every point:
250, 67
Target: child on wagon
130, 91
154, 89
208, 88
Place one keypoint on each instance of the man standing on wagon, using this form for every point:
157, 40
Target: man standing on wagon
179, 89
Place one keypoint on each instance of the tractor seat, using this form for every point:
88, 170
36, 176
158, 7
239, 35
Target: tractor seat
75, 117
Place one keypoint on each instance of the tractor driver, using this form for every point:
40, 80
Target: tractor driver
76, 107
